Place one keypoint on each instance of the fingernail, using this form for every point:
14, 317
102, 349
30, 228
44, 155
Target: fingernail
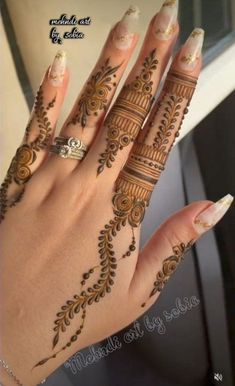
126, 28
165, 21
191, 50
212, 215
57, 70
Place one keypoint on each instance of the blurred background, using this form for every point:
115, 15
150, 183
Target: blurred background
199, 347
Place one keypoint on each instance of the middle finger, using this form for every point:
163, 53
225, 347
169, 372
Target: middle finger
128, 113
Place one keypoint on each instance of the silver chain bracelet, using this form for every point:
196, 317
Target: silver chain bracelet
12, 375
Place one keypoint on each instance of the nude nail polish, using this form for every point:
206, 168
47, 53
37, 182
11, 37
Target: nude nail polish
165, 22
191, 50
212, 215
126, 28
57, 70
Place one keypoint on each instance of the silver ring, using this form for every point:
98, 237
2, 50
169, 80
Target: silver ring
70, 147
74, 143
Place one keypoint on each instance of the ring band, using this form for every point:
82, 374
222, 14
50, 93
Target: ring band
74, 143
71, 147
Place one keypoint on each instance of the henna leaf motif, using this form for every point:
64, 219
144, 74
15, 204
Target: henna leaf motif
168, 123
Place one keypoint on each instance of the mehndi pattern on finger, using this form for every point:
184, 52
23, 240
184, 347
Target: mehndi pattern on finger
147, 159
19, 171
128, 112
95, 98
169, 266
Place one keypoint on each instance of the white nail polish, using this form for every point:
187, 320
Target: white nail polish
165, 22
212, 215
127, 27
191, 50
57, 70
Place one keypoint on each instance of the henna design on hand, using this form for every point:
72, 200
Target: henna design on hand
95, 96
133, 190
125, 211
19, 171
129, 112
169, 267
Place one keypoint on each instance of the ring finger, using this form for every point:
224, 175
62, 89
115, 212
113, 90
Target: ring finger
92, 103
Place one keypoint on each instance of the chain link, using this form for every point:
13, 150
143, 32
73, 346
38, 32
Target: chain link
12, 375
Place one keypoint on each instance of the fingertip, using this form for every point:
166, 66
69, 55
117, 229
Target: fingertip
189, 57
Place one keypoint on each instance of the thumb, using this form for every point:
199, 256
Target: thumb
166, 249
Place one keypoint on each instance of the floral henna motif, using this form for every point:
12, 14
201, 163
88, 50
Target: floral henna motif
169, 267
133, 190
95, 96
19, 171
129, 112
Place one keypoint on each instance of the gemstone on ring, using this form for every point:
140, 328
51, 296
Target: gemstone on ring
64, 151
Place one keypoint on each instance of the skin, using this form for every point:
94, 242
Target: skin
50, 238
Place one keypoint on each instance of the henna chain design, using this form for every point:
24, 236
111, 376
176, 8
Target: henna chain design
132, 194
128, 113
169, 267
19, 170
95, 96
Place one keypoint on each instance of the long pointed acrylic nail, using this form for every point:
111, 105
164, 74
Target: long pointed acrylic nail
125, 30
165, 22
212, 215
191, 50
57, 70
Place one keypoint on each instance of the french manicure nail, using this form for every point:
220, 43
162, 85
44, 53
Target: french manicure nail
126, 28
212, 215
57, 70
191, 50
165, 21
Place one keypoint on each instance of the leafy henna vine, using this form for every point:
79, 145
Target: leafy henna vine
19, 171
129, 112
95, 96
126, 210
172, 106
133, 190
169, 267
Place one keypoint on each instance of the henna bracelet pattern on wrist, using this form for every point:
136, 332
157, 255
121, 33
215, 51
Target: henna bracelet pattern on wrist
19, 171
132, 193
128, 112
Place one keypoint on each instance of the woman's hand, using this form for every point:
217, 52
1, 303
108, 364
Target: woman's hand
71, 270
